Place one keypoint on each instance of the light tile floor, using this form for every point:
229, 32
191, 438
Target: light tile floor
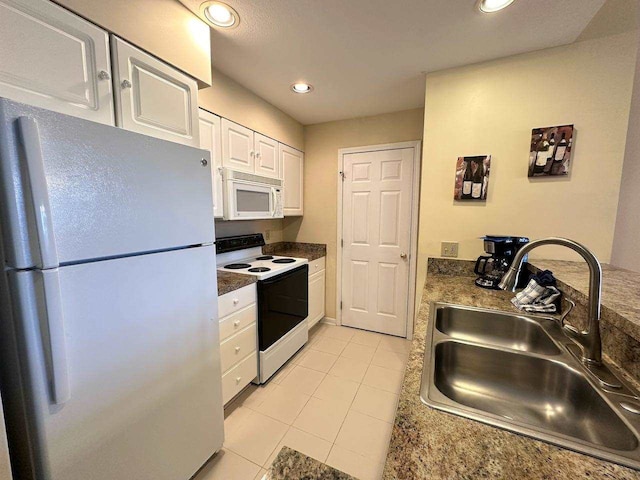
335, 401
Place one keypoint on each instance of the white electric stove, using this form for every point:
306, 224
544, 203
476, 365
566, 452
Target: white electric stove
283, 297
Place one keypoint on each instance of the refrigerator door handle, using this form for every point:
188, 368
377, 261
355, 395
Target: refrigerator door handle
52, 328
30, 137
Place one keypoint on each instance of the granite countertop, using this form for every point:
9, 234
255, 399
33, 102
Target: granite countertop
428, 443
229, 281
620, 290
310, 251
293, 465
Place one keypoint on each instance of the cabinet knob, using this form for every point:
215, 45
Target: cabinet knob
258, 155
235, 301
237, 349
126, 84
238, 379
236, 323
252, 153
104, 75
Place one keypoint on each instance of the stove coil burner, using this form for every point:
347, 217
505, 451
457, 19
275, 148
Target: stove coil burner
284, 260
237, 266
265, 257
259, 269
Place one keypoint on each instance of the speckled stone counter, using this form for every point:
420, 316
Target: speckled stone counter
310, 251
293, 465
431, 444
229, 281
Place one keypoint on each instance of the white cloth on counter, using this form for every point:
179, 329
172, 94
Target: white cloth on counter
537, 298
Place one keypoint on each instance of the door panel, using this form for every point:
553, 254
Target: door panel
376, 229
110, 192
53, 59
292, 173
237, 147
211, 140
267, 162
142, 355
154, 98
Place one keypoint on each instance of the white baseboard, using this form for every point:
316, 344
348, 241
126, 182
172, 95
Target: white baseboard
329, 321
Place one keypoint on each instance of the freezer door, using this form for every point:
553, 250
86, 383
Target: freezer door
74, 190
124, 366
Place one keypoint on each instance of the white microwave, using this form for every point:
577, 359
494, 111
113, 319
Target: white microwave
251, 197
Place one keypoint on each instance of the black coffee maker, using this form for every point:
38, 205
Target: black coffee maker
501, 249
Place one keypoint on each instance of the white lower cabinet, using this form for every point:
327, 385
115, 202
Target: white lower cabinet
238, 316
317, 276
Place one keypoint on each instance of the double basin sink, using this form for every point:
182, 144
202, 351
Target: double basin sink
521, 373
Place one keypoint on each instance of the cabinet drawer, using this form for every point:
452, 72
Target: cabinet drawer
237, 347
316, 265
236, 322
239, 377
236, 300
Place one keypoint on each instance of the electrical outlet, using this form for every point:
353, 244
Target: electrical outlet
449, 249
267, 234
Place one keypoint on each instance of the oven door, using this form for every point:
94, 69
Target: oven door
250, 201
283, 303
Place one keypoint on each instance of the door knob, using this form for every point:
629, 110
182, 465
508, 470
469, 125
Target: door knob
403, 255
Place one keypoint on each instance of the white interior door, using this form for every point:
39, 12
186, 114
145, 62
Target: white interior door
211, 140
237, 147
154, 98
267, 162
54, 59
376, 227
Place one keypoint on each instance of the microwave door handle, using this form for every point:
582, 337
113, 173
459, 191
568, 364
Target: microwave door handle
273, 202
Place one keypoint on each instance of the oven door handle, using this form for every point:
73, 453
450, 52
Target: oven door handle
285, 275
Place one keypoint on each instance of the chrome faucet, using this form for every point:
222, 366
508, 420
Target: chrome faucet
589, 339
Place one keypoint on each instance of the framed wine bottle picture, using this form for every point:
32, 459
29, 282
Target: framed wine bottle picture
550, 151
472, 178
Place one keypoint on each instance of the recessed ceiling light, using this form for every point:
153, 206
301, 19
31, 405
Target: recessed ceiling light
220, 14
490, 6
301, 87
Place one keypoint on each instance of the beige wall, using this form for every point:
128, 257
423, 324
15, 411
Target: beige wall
490, 108
322, 142
164, 28
231, 100
625, 253
5, 464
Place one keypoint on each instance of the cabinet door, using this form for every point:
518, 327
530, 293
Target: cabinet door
211, 140
54, 59
237, 147
292, 168
267, 162
153, 98
316, 298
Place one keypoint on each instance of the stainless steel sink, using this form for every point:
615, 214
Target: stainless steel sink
521, 373
496, 328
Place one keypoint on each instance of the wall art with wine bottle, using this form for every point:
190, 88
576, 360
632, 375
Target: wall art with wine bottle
550, 152
472, 178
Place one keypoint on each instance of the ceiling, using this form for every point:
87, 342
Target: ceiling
366, 57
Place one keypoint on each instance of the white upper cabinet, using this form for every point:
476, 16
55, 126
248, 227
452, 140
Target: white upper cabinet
54, 59
211, 140
292, 168
153, 98
267, 162
237, 147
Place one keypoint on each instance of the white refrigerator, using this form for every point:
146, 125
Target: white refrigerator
109, 343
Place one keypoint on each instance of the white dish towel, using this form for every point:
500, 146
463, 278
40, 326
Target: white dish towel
537, 298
